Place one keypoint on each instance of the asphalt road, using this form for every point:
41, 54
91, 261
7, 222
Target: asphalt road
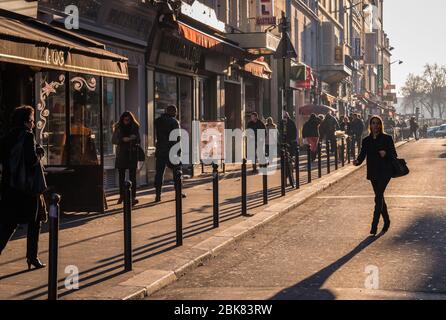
322, 249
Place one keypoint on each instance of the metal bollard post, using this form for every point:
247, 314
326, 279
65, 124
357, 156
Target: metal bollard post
179, 205
349, 146
354, 149
282, 172
319, 159
216, 178
53, 249
309, 169
343, 152
328, 157
128, 260
265, 184
244, 187
336, 156
297, 167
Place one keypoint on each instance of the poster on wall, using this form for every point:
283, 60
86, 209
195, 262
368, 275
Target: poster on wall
265, 13
212, 141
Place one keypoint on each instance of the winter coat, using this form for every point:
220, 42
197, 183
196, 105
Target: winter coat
311, 129
377, 167
329, 127
126, 152
18, 207
164, 125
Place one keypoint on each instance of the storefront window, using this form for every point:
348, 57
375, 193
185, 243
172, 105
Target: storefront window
110, 116
84, 139
51, 117
186, 104
165, 92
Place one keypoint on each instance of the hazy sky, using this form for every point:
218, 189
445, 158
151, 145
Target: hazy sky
417, 30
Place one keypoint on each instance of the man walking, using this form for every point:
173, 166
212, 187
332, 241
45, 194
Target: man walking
413, 128
357, 131
164, 126
329, 127
255, 124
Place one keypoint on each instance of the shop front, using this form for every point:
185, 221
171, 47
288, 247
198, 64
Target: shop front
188, 67
70, 82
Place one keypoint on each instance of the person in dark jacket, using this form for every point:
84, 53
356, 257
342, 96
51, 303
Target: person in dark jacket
288, 130
310, 132
379, 149
126, 137
357, 129
329, 127
164, 125
20, 204
414, 128
255, 125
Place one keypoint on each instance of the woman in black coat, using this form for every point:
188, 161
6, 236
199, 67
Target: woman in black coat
22, 184
126, 137
379, 149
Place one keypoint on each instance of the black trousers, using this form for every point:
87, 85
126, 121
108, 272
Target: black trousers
32, 247
161, 164
379, 187
132, 176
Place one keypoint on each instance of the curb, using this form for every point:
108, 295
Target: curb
150, 281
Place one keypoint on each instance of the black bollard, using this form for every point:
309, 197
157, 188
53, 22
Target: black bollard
216, 178
354, 149
319, 159
328, 157
336, 156
282, 172
53, 249
349, 146
244, 186
265, 184
179, 205
128, 260
309, 169
297, 167
343, 152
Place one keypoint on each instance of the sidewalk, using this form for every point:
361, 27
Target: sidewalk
94, 243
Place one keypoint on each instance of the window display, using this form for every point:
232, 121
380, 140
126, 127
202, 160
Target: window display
51, 117
110, 116
83, 144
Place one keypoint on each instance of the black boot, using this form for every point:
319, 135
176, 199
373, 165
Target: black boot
386, 226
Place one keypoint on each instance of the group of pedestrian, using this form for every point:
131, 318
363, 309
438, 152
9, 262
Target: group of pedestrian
23, 182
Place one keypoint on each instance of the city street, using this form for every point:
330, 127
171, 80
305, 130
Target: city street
322, 249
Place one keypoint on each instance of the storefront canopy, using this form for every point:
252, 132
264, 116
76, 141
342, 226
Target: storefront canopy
24, 40
259, 68
209, 41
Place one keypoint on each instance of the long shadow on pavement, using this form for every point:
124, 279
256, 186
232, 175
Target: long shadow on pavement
311, 287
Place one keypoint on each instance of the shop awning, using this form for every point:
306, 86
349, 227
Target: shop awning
24, 40
256, 43
209, 41
259, 68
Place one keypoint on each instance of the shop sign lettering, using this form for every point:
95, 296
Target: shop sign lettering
54, 57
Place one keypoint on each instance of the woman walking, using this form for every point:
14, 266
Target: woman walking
23, 184
310, 132
126, 137
379, 149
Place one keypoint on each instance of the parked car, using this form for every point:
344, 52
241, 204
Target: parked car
431, 131
441, 132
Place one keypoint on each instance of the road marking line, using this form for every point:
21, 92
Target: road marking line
387, 196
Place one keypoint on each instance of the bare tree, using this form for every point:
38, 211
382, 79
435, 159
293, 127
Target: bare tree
413, 92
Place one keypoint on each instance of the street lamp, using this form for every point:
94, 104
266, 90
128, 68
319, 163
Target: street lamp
399, 62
